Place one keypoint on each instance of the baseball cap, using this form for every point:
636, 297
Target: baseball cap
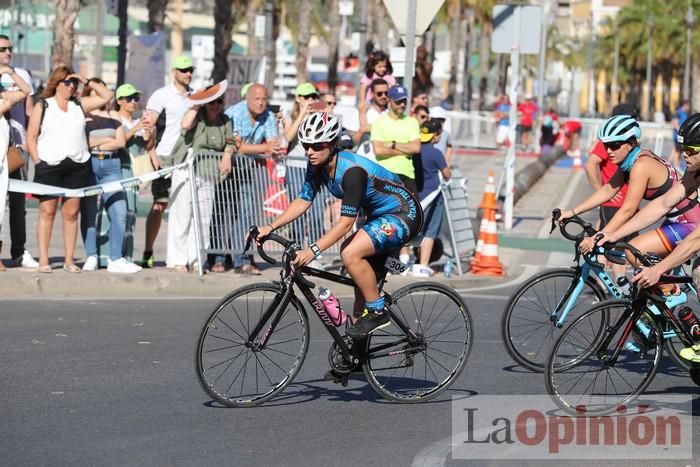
244, 89
182, 61
397, 93
429, 129
439, 112
305, 89
125, 90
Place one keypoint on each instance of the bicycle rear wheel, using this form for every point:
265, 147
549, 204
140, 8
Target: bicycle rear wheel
579, 375
418, 366
527, 329
238, 372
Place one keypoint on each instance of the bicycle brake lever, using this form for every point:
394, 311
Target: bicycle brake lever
252, 234
556, 214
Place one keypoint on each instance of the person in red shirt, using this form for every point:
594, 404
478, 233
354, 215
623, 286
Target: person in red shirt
527, 110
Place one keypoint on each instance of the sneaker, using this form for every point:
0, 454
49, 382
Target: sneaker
90, 264
368, 323
691, 353
122, 266
419, 270
26, 261
147, 261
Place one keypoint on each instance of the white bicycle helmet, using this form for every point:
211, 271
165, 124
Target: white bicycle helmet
619, 128
319, 127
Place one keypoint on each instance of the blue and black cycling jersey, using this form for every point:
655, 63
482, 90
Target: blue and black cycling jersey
364, 184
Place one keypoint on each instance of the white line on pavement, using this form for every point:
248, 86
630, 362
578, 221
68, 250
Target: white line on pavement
565, 200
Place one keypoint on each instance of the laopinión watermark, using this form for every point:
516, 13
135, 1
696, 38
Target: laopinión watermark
533, 427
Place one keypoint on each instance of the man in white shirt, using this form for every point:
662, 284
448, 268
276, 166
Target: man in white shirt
19, 115
378, 105
169, 102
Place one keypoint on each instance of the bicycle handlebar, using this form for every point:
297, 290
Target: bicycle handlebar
253, 234
588, 229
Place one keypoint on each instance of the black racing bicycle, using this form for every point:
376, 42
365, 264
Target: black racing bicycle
255, 341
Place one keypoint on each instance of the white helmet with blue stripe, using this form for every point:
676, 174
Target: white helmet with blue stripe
619, 128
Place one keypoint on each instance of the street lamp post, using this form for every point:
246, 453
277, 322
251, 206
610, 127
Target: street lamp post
591, 68
616, 65
689, 20
647, 98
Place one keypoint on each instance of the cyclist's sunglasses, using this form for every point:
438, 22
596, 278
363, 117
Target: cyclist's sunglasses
316, 146
614, 145
690, 150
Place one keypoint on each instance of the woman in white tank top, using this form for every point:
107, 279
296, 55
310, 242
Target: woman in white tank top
58, 147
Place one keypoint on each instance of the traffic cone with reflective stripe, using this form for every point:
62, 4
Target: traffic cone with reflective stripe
577, 164
480, 240
488, 201
487, 264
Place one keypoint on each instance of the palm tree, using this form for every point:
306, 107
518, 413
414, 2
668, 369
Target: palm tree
333, 42
251, 12
303, 38
223, 25
156, 15
64, 32
454, 17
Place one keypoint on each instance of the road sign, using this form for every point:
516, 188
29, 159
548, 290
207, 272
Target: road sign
505, 37
425, 12
346, 8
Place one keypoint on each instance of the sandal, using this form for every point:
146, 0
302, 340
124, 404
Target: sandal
218, 267
72, 268
249, 269
180, 269
44, 268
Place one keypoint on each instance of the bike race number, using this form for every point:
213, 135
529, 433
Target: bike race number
394, 265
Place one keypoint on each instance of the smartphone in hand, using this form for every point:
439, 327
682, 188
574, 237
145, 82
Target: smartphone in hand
273, 108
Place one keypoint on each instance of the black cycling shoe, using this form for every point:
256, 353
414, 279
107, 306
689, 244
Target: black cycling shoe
368, 323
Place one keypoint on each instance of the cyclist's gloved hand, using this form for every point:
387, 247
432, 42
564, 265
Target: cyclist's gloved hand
303, 257
647, 276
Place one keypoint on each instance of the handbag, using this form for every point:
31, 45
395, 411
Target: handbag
141, 164
15, 159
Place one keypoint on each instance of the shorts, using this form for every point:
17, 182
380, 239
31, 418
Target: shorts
67, 174
524, 128
502, 134
391, 231
409, 183
160, 187
433, 218
672, 233
605, 213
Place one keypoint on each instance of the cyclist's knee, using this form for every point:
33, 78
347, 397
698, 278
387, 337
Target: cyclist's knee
159, 207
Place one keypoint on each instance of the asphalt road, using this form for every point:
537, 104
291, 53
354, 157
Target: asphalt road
113, 383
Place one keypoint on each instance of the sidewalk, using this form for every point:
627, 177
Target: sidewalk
516, 254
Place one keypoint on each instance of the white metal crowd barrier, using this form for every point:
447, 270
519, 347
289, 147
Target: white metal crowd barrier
258, 189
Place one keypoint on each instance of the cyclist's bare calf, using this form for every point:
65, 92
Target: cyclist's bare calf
354, 253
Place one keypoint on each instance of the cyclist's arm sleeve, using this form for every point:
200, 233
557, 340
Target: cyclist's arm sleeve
354, 187
310, 187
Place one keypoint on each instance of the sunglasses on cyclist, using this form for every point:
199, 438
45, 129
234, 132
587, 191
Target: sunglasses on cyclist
691, 150
134, 98
316, 146
614, 145
71, 82
6, 49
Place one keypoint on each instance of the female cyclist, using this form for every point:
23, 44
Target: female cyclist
649, 177
394, 215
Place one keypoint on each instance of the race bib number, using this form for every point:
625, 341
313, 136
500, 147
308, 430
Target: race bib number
395, 266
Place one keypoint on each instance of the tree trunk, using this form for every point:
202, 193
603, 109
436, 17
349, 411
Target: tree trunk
333, 44
484, 59
453, 12
156, 15
223, 23
250, 14
64, 32
303, 38
695, 85
467, 80
382, 21
276, 24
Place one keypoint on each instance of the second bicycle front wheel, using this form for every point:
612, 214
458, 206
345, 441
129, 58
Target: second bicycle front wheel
580, 375
526, 327
419, 365
240, 372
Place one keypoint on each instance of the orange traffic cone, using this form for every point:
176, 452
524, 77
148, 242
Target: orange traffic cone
577, 163
488, 201
480, 241
487, 263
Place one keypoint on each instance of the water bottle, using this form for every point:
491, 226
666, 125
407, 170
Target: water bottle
332, 305
447, 270
690, 322
624, 285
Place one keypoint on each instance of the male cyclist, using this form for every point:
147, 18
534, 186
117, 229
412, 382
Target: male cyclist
394, 215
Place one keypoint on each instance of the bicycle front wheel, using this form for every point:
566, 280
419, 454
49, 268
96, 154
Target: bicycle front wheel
527, 329
580, 375
418, 365
239, 370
